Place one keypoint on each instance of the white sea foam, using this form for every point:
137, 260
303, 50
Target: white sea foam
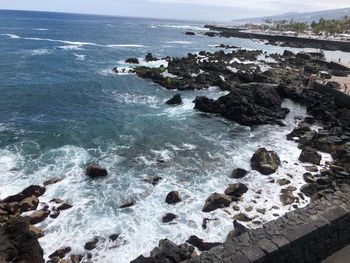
126, 45
79, 56
71, 47
135, 98
39, 52
11, 36
41, 29
186, 27
179, 42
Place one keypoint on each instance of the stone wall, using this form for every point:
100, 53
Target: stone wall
305, 235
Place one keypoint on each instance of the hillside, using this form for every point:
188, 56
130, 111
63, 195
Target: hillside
301, 17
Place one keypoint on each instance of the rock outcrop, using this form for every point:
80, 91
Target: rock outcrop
264, 161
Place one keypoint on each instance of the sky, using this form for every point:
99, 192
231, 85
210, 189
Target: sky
208, 10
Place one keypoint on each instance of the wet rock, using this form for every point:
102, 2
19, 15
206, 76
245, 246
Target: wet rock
283, 181
56, 200
153, 180
37, 231
149, 57
342, 156
299, 131
206, 221
33, 190
311, 169
28, 204
76, 258
200, 244
236, 190
238, 173
52, 181
303, 55
216, 201
167, 251
55, 214
127, 205
287, 198
64, 206
242, 217
266, 162
132, 61
18, 243
238, 230
92, 244
173, 197
309, 155
261, 210
176, 100
235, 207
309, 190
168, 217
190, 33
113, 237
61, 253
288, 53
247, 104
309, 178
94, 170
38, 216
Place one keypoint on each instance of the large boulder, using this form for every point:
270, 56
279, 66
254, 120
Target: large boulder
33, 190
149, 57
132, 61
176, 100
168, 252
342, 156
18, 243
264, 161
216, 201
200, 244
94, 170
236, 190
238, 173
247, 104
173, 197
309, 155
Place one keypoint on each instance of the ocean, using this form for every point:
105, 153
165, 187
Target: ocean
62, 107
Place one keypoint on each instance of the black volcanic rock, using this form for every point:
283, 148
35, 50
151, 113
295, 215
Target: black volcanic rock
236, 190
216, 201
169, 217
264, 161
168, 252
247, 104
173, 197
200, 244
18, 243
149, 57
176, 100
309, 155
94, 170
132, 61
238, 173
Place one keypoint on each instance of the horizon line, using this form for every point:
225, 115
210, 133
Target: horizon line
120, 16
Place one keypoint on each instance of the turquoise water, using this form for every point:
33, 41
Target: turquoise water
61, 108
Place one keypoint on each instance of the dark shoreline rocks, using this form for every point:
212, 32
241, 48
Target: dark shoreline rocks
173, 197
216, 201
167, 251
175, 100
94, 171
18, 243
264, 161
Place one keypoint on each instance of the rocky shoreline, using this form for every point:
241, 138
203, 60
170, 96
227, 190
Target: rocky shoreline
280, 40
256, 83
